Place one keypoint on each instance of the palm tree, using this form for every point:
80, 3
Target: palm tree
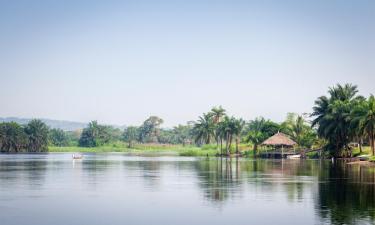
204, 129
256, 133
238, 127
229, 129
298, 128
37, 132
217, 113
332, 116
364, 116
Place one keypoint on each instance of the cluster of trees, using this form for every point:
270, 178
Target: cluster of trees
32, 137
149, 132
96, 135
218, 126
343, 117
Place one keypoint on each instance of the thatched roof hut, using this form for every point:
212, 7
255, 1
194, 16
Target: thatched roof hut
279, 139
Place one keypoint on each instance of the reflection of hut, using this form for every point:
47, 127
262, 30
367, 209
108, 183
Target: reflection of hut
279, 141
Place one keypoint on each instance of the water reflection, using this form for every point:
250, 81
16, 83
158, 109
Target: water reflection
346, 194
315, 192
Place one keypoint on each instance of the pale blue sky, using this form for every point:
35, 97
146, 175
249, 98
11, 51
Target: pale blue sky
121, 61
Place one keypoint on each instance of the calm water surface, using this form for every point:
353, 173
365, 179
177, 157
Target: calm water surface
122, 189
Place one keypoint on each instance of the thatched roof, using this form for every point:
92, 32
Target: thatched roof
279, 139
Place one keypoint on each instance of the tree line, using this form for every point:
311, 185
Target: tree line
337, 119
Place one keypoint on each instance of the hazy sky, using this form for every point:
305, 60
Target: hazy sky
119, 62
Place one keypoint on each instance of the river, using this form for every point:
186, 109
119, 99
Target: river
41, 189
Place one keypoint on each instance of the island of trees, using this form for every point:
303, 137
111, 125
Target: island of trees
341, 123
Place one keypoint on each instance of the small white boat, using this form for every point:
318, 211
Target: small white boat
294, 156
77, 156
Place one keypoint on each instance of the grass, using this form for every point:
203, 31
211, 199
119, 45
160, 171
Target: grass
366, 150
141, 149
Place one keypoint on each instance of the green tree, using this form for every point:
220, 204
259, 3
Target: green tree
150, 129
12, 137
95, 135
259, 130
130, 135
299, 129
228, 126
256, 133
216, 113
333, 117
58, 137
204, 129
182, 134
364, 117
37, 133
238, 128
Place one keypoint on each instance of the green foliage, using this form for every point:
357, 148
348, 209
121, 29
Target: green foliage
199, 152
130, 135
333, 117
204, 129
150, 129
98, 135
58, 137
299, 130
259, 130
363, 120
37, 133
12, 137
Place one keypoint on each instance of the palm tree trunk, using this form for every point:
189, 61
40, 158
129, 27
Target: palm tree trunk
255, 150
372, 142
237, 145
227, 144
221, 145
230, 143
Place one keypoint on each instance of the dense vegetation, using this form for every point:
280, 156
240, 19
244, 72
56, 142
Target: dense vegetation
338, 119
16, 138
343, 117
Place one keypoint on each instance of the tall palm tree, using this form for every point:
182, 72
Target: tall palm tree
217, 113
364, 116
229, 129
332, 116
238, 127
37, 132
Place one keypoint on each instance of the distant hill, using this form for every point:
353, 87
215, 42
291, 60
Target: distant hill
62, 124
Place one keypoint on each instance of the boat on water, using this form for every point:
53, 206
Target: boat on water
77, 156
294, 156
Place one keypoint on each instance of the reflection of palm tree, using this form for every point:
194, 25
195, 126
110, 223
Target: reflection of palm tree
216, 178
346, 194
